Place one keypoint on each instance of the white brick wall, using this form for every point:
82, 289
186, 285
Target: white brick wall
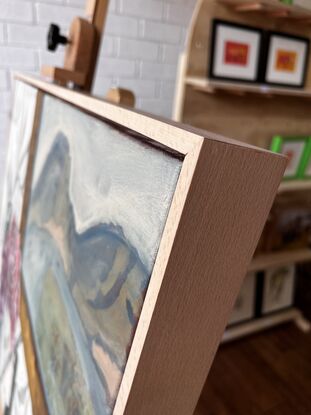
140, 49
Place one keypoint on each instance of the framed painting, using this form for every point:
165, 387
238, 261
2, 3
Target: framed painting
23, 124
235, 52
125, 246
244, 307
295, 149
278, 290
287, 60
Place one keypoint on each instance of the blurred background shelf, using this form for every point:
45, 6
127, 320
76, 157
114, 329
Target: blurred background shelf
271, 8
294, 186
241, 88
253, 326
279, 259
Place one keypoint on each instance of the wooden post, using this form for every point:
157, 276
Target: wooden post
96, 11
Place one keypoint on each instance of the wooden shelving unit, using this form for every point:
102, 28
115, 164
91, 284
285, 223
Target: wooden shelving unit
294, 186
248, 112
266, 322
210, 87
278, 259
273, 8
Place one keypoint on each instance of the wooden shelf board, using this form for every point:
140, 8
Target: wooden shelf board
244, 329
274, 8
294, 186
278, 259
211, 86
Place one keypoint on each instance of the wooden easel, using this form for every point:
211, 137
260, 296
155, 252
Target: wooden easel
82, 48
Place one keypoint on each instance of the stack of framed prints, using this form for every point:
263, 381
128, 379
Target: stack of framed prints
249, 54
244, 308
298, 152
264, 293
278, 289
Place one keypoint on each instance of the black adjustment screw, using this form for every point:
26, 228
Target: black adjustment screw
55, 38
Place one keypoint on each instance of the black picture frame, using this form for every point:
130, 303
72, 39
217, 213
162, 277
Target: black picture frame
216, 23
268, 41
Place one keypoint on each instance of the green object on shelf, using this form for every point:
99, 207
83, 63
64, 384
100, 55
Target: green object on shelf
287, 1
306, 162
298, 150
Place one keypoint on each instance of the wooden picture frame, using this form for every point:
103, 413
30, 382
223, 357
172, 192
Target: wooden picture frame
287, 58
296, 149
223, 195
278, 288
244, 308
238, 59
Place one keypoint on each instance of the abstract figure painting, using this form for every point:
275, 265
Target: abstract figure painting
22, 122
98, 204
119, 232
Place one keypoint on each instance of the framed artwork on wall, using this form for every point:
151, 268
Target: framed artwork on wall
287, 60
116, 208
278, 290
235, 52
244, 308
295, 149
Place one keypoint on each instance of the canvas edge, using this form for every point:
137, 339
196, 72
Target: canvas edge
39, 404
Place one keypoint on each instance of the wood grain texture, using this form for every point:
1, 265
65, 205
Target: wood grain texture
63, 76
223, 196
97, 12
121, 96
36, 389
207, 264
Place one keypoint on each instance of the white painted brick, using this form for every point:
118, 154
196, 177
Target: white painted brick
102, 85
1, 32
156, 106
161, 32
123, 26
115, 67
25, 34
5, 101
158, 71
16, 11
18, 58
4, 79
136, 49
178, 13
167, 90
141, 88
171, 53
109, 46
52, 58
80, 3
142, 8
48, 13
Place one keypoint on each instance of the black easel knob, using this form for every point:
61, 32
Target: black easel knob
55, 38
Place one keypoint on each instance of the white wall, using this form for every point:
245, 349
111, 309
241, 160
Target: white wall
140, 49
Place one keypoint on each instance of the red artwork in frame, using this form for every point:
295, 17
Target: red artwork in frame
236, 53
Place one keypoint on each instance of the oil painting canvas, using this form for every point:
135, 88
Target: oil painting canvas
22, 120
99, 201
